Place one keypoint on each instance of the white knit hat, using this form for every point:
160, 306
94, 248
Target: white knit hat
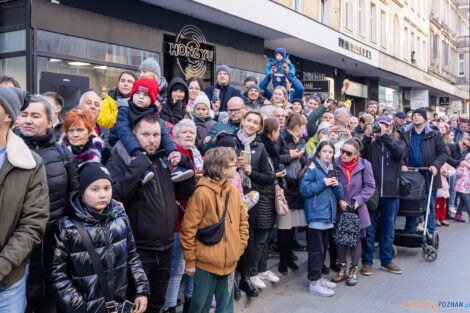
202, 98
323, 125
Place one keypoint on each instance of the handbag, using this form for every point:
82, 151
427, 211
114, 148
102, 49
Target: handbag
346, 232
280, 202
292, 172
110, 304
212, 234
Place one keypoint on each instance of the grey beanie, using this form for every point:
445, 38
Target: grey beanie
151, 65
253, 86
223, 68
13, 100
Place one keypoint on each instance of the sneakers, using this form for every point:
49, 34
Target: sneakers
459, 218
179, 174
148, 175
420, 227
452, 209
316, 288
250, 199
268, 275
352, 277
257, 282
327, 284
392, 268
366, 270
342, 275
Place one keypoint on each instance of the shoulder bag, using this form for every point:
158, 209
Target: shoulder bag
212, 234
280, 202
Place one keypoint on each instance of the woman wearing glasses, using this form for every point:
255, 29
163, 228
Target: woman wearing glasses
357, 178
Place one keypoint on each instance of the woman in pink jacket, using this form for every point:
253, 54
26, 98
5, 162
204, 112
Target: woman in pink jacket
443, 194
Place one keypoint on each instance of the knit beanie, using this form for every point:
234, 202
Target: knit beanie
151, 65
252, 86
282, 51
13, 100
422, 112
147, 85
91, 172
225, 140
202, 98
323, 125
223, 68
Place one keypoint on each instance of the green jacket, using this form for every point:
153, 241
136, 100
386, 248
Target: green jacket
313, 118
24, 208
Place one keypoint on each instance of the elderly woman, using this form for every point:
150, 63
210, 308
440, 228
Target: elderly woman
185, 137
80, 137
357, 178
35, 128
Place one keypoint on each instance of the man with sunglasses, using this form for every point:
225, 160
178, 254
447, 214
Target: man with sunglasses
386, 155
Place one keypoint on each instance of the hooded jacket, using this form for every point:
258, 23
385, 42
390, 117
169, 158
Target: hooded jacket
204, 125
24, 209
222, 257
174, 112
74, 279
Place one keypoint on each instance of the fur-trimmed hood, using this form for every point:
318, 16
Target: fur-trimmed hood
18, 153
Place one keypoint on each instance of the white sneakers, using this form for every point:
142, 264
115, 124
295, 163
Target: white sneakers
452, 209
320, 288
268, 275
258, 282
328, 284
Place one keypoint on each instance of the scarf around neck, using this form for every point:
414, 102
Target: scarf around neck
136, 112
246, 142
349, 168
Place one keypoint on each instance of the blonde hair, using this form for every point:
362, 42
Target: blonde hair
261, 123
215, 160
284, 91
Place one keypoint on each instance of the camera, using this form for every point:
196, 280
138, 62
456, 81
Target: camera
331, 174
335, 102
376, 129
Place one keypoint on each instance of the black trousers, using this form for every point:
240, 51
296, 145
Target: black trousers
317, 242
259, 251
157, 267
41, 304
285, 237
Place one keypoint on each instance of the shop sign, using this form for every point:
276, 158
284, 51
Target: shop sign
313, 76
444, 101
316, 85
191, 51
419, 99
354, 48
357, 90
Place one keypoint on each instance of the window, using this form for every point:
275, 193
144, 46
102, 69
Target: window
461, 65
238, 77
405, 44
298, 5
445, 46
413, 49
434, 46
348, 14
323, 11
14, 67
373, 23
361, 18
383, 29
13, 41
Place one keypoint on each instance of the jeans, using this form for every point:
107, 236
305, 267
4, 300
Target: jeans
177, 271
205, 286
317, 245
388, 208
464, 203
412, 222
13, 297
453, 194
259, 249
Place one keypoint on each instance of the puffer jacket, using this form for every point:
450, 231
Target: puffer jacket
62, 181
320, 201
222, 257
444, 191
174, 112
292, 194
74, 280
218, 127
262, 180
24, 208
204, 126
109, 109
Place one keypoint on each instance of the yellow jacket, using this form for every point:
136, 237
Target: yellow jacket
108, 113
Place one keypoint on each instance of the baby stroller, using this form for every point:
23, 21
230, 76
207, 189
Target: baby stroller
417, 204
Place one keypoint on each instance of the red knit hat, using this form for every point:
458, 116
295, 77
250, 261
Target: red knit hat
147, 85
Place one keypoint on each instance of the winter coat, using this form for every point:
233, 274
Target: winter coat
278, 154
386, 156
320, 201
455, 156
444, 191
257, 104
262, 177
313, 118
109, 109
312, 144
62, 181
123, 130
24, 209
433, 149
292, 194
279, 65
222, 257
229, 128
91, 152
458, 135
174, 112
74, 279
151, 207
204, 126
226, 92
462, 184
361, 188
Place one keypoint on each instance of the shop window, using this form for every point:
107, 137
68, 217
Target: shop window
13, 41
70, 46
14, 67
238, 77
100, 78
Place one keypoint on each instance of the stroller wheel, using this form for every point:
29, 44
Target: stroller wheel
429, 253
435, 240
394, 251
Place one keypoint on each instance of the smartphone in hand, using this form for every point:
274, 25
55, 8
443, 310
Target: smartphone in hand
215, 95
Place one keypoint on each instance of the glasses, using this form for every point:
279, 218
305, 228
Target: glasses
234, 110
233, 165
347, 153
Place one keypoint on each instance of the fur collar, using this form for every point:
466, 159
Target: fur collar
18, 153
410, 126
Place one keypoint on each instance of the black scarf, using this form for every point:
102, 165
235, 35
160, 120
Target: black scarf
273, 154
38, 141
136, 112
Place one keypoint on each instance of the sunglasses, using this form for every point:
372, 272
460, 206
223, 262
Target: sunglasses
347, 153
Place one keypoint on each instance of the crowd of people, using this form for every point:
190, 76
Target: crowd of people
122, 201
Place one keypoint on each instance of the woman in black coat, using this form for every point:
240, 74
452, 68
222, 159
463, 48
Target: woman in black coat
174, 109
35, 128
75, 281
256, 175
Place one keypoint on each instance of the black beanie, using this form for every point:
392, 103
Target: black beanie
225, 140
91, 172
422, 112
